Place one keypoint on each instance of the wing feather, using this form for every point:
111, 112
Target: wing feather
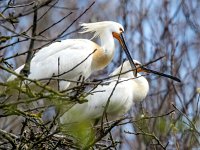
94, 108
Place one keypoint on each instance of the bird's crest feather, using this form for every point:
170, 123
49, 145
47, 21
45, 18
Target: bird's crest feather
96, 28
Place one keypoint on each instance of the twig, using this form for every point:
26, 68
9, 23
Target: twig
58, 73
55, 23
106, 78
10, 137
103, 134
31, 80
148, 134
18, 5
191, 123
108, 101
26, 70
60, 35
75, 65
43, 15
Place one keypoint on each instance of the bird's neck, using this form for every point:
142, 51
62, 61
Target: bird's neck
141, 87
107, 43
105, 52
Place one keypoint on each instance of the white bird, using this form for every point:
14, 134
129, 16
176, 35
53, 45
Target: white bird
127, 89
77, 57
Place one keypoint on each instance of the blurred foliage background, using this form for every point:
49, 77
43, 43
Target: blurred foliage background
169, 117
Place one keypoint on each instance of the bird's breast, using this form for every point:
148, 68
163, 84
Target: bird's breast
100, 59
141, 88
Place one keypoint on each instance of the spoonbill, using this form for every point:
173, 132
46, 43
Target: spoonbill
73, 59
127, 88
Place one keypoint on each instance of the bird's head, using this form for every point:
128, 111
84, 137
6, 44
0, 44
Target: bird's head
126, 68
117, 32
116, 29
99, 28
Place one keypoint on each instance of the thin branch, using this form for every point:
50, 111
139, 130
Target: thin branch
191, 123
26, 69
148, 134
10, 137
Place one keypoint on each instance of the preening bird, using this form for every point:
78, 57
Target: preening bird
73, 59
127, 87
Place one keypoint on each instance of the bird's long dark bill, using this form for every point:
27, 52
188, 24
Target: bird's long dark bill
127, 53
161, 74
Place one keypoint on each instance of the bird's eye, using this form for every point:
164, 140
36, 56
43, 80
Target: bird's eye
121, 30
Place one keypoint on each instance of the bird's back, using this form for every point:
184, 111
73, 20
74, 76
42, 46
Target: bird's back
73, 57
120, 102
56, 47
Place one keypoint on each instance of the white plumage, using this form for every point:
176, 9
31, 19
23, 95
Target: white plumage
71, 52
128, 90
